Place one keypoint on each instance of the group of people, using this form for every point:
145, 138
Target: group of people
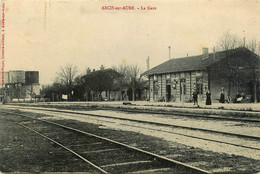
195, 97
237, 99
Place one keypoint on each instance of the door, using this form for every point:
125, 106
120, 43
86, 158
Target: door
199, 87
182, 88
168, 93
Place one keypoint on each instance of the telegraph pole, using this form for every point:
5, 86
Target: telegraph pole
169, 52
148, 63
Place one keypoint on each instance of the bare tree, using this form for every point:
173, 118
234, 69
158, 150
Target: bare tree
19, 83
254, 71
122, 80
134, 72
229, 41
31, 91
130, 78
254, 67
66, 76
15, 89
252, 46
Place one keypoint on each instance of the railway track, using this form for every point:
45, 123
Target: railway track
175, 113
151, 122
207, 138
103, 154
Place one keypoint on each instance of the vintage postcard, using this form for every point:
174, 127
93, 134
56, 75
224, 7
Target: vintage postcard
130, 86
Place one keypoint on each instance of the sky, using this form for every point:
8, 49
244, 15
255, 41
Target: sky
44, 35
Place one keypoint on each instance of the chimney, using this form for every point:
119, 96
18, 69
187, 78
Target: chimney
148, 63
205, 53
102, 67
88, 71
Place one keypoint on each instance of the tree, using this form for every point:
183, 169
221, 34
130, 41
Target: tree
254, 67
80, 89
227, 43
136, 80
66, 76
130, 78
123, 79
252, 46
99, 81
254, 72
15, 89
30, 91
53, 92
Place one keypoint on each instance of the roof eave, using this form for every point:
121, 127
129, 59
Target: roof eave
168, 72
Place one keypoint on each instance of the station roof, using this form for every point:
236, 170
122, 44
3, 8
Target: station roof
193, 63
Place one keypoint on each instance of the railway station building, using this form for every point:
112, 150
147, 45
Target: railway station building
233, 71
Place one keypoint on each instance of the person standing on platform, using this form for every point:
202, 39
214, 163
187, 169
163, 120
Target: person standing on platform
195, 97
228, 98
208, 99
222, 97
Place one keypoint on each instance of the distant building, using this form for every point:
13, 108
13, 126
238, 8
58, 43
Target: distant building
21, 77
31, 77
20, 84
233, 71
14, 77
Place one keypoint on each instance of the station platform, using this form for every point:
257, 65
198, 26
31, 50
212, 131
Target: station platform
228, 106
241, 109
232, 109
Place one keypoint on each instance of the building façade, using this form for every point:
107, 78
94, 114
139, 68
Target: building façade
233, 71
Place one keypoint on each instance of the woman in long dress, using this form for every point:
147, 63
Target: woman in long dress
222, 97
208, 99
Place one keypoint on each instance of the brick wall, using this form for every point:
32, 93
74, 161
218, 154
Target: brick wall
151, 87
159, 77
164, 86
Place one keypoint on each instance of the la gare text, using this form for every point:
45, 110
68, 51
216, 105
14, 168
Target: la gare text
128, 8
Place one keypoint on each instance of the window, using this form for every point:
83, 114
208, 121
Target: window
182, 75
174, 84
199, 85
155, 77
183, 84
155, 88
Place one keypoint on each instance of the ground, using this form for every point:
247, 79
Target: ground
34, 157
